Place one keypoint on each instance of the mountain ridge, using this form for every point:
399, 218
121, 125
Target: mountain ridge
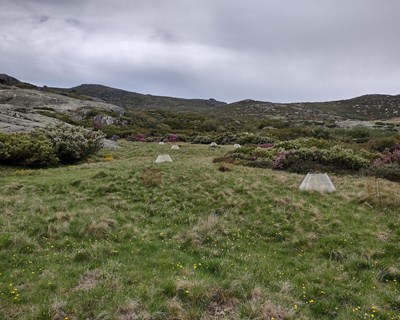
376, 105
99, 105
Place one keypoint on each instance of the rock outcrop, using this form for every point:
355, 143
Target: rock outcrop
25, 109
6, 79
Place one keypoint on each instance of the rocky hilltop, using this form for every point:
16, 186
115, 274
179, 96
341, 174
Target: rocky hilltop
134, 100
6, 79
25, 109
24, 106
367, 107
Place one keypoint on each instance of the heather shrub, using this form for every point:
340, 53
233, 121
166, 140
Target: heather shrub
139, 137
174, 137
28, 149
389, 171
335, 158
390, 156
380, 144
71, 144
266, 145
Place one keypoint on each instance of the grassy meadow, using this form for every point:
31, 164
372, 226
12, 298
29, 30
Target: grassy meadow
119, 237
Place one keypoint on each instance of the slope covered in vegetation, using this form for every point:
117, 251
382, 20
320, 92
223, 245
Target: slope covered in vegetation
118, 237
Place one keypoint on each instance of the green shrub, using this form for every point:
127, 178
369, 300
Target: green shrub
305, 143
41, 147
232, 138
389, 171
71, 144
251, 138
28, 149
226, 138
335, 159
202, 139
380, 144
301, 160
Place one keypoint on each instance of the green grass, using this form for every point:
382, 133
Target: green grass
128, 239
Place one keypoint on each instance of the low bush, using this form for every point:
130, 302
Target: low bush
382, 143
390, 156
333, 159
242, 138
202, 139
388, 166
42, 147
302, 160
71, 144
251, 138
305, 143
389, 171
26, 149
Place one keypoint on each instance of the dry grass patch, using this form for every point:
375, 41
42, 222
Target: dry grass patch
263, 307
270, 311
132, 310
205, 230
90, 280
59, 311
100, 228
221, 306
373, 193
151, 177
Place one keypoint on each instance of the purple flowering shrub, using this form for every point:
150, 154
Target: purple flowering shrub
389, 156
335, 159
140, 137
173, 137
279, 160
266, 145
388, 166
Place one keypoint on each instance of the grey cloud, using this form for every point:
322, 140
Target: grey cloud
293, 50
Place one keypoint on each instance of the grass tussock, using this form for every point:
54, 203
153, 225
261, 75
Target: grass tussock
151, 177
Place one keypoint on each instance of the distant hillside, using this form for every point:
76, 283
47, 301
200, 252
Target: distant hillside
367, 107
289, 111
133, 100
24, 106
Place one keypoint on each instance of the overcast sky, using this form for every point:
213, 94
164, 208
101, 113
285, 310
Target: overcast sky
270, 50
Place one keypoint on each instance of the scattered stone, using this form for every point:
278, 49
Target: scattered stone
237, 146
161, 142
110, 144
175, 147
163, 158
102, 119
213, 145
115, 137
